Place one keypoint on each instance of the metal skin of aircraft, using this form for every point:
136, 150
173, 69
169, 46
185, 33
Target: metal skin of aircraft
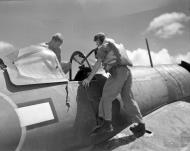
40, 110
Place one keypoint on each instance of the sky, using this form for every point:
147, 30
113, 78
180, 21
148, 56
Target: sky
165, 23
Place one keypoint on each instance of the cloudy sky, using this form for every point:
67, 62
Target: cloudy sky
166, 24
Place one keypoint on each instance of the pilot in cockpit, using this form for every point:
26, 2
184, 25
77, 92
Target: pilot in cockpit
54, 44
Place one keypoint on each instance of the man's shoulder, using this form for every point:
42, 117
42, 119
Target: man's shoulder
43, 44
104, 46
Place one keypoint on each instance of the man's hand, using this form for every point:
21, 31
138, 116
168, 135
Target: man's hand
66, 67
86, 82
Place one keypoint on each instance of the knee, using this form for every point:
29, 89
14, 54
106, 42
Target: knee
131, 103
106, 101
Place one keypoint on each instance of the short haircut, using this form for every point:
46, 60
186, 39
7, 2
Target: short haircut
100, 36
57, 37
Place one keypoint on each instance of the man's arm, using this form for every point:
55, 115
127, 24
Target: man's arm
65, 67
95, 69
101, 54
97, 65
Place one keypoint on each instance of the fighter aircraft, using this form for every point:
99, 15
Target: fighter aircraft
42, 110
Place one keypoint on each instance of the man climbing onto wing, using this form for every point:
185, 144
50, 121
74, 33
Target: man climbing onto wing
119, 82
54, 45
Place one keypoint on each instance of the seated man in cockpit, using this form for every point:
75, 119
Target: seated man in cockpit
54, 45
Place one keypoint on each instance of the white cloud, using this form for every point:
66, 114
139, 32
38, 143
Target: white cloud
140, 57
170, 30
185, 57
169, 24
5, 48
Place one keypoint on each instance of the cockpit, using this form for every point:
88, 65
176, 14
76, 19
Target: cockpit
38, 65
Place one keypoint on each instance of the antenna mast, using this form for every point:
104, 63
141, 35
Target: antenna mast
149, 53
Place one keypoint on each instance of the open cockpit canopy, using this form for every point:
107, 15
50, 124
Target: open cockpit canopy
36, 65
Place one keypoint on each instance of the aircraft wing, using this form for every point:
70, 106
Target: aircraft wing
171, 132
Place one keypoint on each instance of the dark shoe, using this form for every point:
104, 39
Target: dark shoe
99, 121
96, 128
105, 128
138, 130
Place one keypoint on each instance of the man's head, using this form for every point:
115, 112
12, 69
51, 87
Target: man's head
56, 41
99, 38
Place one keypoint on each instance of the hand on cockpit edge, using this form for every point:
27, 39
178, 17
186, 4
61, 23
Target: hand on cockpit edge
66, 66
86, 82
